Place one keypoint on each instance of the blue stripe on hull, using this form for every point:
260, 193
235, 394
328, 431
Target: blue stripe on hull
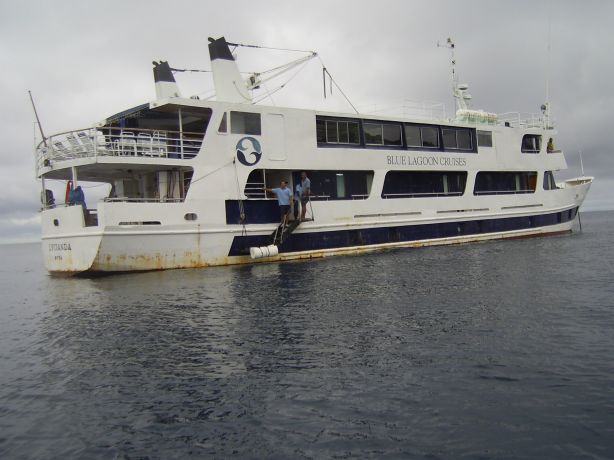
406, 233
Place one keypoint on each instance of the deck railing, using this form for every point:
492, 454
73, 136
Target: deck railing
420, 195
523, 120
122, 142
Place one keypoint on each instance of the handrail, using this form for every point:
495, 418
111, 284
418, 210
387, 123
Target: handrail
527, 120
502, 192
123, 142
125, 199
420, 194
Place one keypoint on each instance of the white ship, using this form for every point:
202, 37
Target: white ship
187, 180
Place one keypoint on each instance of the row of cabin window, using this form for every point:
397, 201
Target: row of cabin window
348, 132
421, 184
340, 185
382, 134
416, 184
390, 135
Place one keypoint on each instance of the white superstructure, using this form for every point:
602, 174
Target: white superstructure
187, 179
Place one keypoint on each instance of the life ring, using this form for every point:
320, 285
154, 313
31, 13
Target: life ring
68, 190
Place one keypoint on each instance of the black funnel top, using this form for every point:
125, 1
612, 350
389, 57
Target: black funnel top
162, 72
218, 49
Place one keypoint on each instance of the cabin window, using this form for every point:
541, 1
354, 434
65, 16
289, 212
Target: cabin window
382, 134
457, 139
422, 136
499, 183
245, 123
223, 128
484, 138
339, 185
392, 135
423, 184
531, 143
337, 132
373, 134
187, 180
254, 186
549, 182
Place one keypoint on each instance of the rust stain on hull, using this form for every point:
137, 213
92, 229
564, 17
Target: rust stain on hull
108, 263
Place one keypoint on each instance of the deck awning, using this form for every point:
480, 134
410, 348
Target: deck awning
134, 112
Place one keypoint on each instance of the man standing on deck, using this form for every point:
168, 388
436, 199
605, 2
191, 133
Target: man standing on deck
298, 191
284, 199
305, 192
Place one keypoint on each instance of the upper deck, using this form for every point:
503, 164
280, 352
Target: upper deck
167, 132
142, 134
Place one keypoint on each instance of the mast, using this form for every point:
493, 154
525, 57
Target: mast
546, 111
459, 90
37, 120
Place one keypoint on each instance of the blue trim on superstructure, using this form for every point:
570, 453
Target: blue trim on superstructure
370, 236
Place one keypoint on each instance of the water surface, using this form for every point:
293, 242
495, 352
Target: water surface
490, 350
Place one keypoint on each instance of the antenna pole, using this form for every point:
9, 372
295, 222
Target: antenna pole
37, 119
450, 45
581, 163
548, 72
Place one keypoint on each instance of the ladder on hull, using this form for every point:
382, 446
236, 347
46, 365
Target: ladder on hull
282, 232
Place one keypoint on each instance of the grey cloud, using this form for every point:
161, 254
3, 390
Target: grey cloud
84, 61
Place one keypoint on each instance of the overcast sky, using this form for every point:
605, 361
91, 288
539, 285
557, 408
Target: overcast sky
85, 60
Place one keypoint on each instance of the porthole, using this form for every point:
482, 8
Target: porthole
190, 216
56, 222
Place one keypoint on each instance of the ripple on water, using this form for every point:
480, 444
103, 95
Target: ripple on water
493, 350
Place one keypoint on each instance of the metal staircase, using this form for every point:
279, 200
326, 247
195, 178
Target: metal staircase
282, 232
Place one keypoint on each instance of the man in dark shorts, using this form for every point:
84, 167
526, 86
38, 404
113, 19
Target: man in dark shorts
284, 199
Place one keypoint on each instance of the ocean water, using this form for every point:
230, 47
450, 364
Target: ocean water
491, 350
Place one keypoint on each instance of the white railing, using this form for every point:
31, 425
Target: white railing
254, 190
120, 142
126, 199
420, 195
503, 192
410, 109
523, 120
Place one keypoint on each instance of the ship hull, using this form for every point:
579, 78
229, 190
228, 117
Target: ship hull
114, 250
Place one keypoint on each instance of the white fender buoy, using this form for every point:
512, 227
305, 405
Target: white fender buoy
263, 251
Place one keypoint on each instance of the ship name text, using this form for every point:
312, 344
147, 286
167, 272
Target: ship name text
53, 247
405, 160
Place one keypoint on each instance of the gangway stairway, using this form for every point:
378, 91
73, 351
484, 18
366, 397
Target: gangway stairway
282, 232
277, 238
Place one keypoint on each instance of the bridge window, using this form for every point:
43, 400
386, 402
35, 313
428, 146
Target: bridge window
549, 182
245, 123
499, 183
485, 138
423, 184
531, 143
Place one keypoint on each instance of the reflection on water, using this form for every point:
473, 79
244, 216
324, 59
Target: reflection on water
498, 350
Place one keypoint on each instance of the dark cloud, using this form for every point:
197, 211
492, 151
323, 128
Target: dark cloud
85, 60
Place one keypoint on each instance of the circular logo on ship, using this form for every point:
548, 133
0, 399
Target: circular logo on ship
249, 151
